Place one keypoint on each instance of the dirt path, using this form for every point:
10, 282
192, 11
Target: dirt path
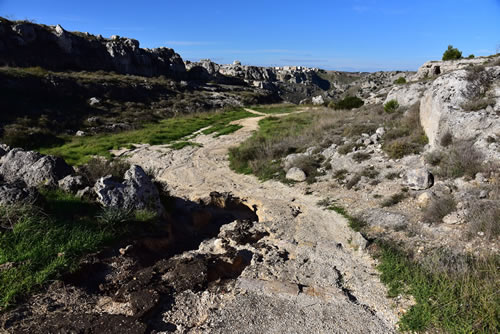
322, 284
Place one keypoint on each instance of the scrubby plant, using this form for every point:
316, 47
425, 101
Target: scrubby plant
394, 199
483, 218
438, 208
471, 56
98, 167
391, 106
348, 103
461, 158
405, 135
360, 156
400, 81
452, 53
447, 139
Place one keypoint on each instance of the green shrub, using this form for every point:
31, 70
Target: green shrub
391, 106
471, 56
348, 103
400, 81
452, 53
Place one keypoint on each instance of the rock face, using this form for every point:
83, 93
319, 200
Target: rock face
434, 68
135, 192
442, 111
419, 179
27, 44
32, 168
407, 94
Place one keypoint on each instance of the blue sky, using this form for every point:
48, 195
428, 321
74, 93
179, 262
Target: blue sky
356, 35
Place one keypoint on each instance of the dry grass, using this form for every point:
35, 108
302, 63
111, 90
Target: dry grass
459, 159
405, 135
438, 208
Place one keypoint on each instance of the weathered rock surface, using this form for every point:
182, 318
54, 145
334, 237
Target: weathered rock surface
52, 47
15, 193
407, 94
71, 183
434, 68
135, 192
441, 112
296, 174
33, 168
419, 179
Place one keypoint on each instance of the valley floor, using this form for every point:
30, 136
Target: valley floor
322, 285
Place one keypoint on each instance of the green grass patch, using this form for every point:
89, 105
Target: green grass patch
44, 242
260, 154
462, 301
222, 129
78, 150
355, 223
276, 108
181, 144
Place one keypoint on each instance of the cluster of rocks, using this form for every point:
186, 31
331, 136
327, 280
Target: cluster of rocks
22, 172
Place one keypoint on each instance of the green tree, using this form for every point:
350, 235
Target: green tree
452, 53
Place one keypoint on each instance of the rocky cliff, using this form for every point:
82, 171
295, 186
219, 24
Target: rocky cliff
25, 44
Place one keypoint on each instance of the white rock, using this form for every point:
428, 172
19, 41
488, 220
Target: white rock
93, 101
318, 100
419, 179
296, 174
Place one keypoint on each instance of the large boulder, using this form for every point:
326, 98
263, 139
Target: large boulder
296, 174
71, 183
419, 179
33, 168
137, 191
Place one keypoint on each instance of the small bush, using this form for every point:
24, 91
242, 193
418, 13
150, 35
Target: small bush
438, 208
461, 158
353, 181
348, 103
471, 56
340, 174
360, 156
484, 216
391, 106
347, 148
112, 216
392, 175
452, 53
400, 81
98, 167
369, 172
446, 139
434, 158
478, 104
394, 199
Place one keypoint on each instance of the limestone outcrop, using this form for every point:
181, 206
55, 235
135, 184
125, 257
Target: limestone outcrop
443, 110
33, 168
135, 192
27, 44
